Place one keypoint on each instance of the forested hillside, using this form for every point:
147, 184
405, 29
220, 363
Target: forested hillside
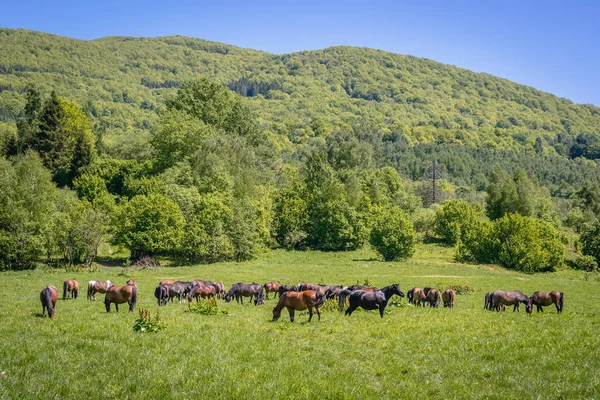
124, 82
203, 152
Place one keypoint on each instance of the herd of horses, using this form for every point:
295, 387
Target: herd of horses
304, 296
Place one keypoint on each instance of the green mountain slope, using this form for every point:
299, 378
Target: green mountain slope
124, 82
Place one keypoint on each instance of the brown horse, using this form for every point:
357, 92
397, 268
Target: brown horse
220, 289
433, 297
500, 298
201, 291
119, 295
448, 298
97, 287
299, 301
131, 282
49, 297
545, 299
70, 289
271, 287
166, 282
419, 297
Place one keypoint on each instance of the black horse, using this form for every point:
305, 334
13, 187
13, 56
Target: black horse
286, 288
373, 300
162, 294
240, 290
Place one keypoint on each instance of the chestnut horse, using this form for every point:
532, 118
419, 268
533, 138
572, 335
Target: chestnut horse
70, 289
202, 291
419, 297
119, 295
373, 300
49, 297
97, 287
271, 287
433, 297
448, 298
299, 301
545, 299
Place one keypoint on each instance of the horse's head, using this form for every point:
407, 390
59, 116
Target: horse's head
276, 314
529, 305
397, 290
131, 282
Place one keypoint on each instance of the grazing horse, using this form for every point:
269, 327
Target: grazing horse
545, 299
70, 289
119, 295
448, 298
177, 289
433, 297
299, 301
419, 297
373, 300
202, 291
49, 297
500, 298
166, 282
220, 289
162, 294
286, 288
239, 290
271, 287
333, 291
97, 287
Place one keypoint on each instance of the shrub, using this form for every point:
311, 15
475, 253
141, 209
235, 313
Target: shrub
590, 241
393, 235
450, 219
584, 263
146, 323
206, 307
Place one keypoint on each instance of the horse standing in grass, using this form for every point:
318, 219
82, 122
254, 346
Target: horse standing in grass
271, 287
119, 295
49, 297
286, 288
299, 301
500, 298
448, 298
373, 300
220, 289
419, 297
97, 287
201, 291
542, 299
433, 297
70, 289
162, 294
240, 290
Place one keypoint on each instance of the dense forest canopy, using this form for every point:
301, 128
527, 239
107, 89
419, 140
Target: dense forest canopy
204, 152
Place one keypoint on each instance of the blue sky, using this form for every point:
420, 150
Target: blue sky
550, 45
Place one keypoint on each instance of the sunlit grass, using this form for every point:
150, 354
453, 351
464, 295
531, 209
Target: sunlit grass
464, 352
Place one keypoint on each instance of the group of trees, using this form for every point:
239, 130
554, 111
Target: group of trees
217, 187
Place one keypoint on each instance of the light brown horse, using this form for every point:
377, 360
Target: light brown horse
448, 298
119, 295
97, 287
299, 301
70, 289
166, 282
271, 287
202, 291
419, 297
131, 282
49, 297
220, 289
542, 299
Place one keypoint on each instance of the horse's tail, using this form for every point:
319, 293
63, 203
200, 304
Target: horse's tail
90, 288
437, 298
320, 299
561, 302
65, 289
47, 300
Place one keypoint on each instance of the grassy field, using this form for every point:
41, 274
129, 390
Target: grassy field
464, 352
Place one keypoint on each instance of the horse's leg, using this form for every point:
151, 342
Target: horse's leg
350, 309
381, 309
117, 307
291, 311
318, 312
310, 313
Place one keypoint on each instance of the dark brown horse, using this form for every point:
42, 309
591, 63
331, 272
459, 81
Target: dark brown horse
220, 289
70, 289
542, 299
373, 300
286, 288
448, 298
500, 298
271, 287
203, 291
119, 295
240, 290
299, 301
49, 297
433, 297
97, 287
162, 294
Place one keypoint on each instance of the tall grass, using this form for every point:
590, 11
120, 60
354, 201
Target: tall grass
464, 352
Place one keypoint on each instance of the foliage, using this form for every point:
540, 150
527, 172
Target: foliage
206, 307
584, 263
393, 235
451, 218
147, 323
590, 241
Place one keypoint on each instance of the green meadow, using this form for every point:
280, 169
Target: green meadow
464, 352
